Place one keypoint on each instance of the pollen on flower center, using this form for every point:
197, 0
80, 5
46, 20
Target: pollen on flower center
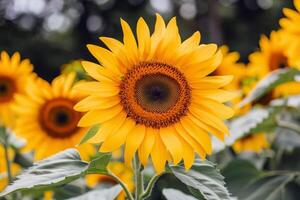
7, 88
155, 94
58, 118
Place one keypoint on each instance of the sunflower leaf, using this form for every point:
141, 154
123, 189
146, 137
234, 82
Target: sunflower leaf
239, 173
271, 187
100, 194
256, 120
91, 133
271, 81
204, 179
98, 165
173, 194
56, 170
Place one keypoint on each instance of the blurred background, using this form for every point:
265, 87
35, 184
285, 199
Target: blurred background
54, 32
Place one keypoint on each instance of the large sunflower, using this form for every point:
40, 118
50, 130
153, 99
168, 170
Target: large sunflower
14, 74
46, 117
154, 96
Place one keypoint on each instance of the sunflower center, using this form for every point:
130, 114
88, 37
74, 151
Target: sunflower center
278, 61
155, 94
7, 89
58, 118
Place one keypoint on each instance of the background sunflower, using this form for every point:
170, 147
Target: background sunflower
46, 116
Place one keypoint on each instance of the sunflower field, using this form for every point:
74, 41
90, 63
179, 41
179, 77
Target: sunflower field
150, 99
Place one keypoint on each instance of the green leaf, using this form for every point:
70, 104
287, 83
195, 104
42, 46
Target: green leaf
271, 81
256, 120
204, 178
238, 174
98, 165
173, 194
91, 133
101, 194
56, 170
268, 188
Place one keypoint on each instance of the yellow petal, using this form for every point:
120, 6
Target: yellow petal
147, 145
172, 143
209, 82
159, 29
129, 42
118, 138
102, 89
209, 105
159, 155
219, 134
105, 57
96, 102
99, 73
203, 68
99, 116
188, 155
190, 140
209, 119
133, 142
198, 134
218, 95
108, 128
143, 36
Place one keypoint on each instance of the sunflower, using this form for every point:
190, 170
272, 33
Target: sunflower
272, 56
14, 74
3, 170
46, 116
291, 26
252, 143
154, 95
122, 171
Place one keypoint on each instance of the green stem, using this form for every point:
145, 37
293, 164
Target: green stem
7, 160
128, 194
150, 186
138, 178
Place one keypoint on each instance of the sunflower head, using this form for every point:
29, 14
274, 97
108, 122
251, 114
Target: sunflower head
252, 143
14, 75
152, 94
46, 116
272, 55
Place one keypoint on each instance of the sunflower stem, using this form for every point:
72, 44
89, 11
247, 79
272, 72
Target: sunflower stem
123, 185
138, 178
150, 186
6, 147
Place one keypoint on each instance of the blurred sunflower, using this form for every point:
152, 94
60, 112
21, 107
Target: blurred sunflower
3, 170
154, 96
252, 143
272, 56
291, 26
46, 117
14, 74
122, 171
